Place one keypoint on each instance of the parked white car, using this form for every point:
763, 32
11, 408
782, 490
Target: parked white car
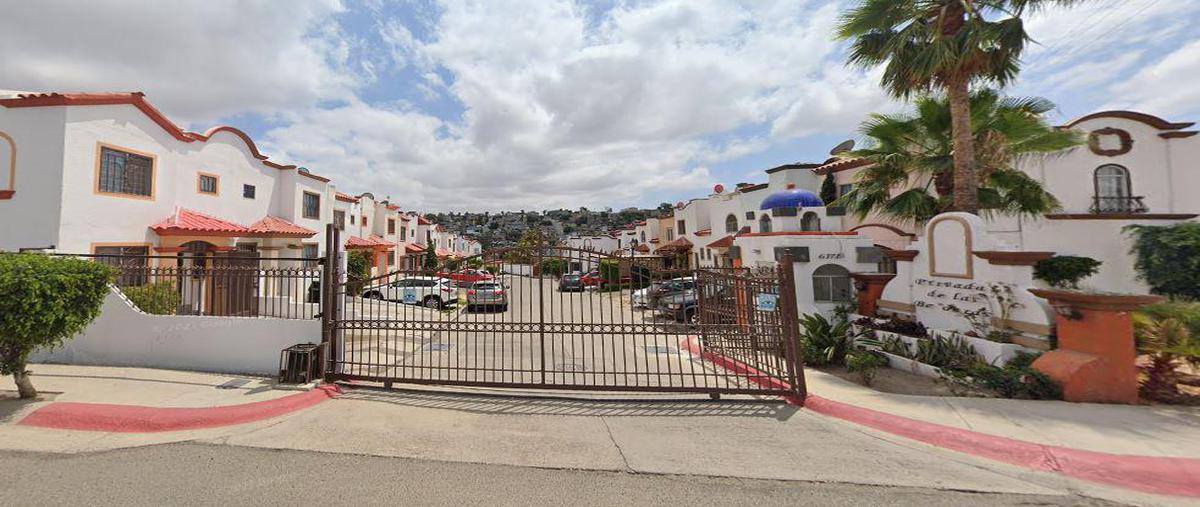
644, 298
429, 291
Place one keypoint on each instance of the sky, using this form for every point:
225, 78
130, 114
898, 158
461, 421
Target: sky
496, 105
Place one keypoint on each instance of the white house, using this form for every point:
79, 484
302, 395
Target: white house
1135, 169
109, 174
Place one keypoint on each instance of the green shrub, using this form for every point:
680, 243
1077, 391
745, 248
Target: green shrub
866, 363
954, 353
823, 341
1017, 379
1065, 271
553, 267
1168, 334
610, 270
44, 301
358, 270
158, 298
1168, 258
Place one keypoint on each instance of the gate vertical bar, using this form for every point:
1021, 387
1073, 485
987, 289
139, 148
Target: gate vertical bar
789, 318
328, 311
537, 270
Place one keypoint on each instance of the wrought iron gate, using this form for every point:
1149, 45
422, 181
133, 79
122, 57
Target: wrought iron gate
518, 317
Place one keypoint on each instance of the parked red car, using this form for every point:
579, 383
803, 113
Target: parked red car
593, 279
465, 277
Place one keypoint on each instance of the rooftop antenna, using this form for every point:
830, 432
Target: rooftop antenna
845, 146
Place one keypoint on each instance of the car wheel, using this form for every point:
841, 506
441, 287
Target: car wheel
693, 317
432, 302
374, 295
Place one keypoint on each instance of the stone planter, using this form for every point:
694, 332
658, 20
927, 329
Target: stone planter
914, 367
1096, 356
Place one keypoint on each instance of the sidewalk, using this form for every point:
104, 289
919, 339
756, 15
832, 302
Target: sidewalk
1159, 431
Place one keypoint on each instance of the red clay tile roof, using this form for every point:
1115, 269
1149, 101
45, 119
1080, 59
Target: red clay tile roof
138, 100
655, 241
842, 164
372, 241
725, 242
704, 232
642, 248
393, 207
405, 218
345, 198
413, 248
680, 243
186, 222
422, 220
271, 226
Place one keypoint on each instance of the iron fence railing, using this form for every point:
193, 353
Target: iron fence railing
233, 284
1119, 204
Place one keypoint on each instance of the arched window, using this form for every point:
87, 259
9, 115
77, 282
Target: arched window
764, 223
731, 223
1112, 189
831, 284
810, 222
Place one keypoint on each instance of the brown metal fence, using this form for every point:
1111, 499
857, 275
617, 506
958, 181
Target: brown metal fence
228, 284
521, 318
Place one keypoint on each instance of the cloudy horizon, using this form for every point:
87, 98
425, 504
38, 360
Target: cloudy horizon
504, 105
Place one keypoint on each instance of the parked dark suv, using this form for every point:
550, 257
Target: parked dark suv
570, 282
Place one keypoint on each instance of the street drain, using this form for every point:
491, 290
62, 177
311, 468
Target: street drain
437, 347
661, 349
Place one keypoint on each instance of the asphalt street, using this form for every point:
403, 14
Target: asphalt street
199, 474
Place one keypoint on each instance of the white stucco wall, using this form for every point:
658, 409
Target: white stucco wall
124, 336
31, 217
839, 250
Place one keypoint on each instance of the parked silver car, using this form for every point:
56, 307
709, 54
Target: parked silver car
490, 294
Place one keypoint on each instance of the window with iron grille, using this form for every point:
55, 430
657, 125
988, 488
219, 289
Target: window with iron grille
310, 252
125, 173
682, 226
131, 262
312, 206
831, 284
339, 220
749, 215
248, 191
391, 226
207, 184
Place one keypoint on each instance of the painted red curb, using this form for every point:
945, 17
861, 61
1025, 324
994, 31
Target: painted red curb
1150, 474
140, 419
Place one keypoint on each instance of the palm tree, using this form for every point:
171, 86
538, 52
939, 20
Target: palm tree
943, 45
911, 178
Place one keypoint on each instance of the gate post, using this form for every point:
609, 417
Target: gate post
329, 299
790, 320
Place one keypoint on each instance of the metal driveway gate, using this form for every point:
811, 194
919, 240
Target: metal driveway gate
732, 332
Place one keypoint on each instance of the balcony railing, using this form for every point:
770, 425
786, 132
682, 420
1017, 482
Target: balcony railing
1118, 205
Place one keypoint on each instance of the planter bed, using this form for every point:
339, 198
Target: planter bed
993, 353
913, 366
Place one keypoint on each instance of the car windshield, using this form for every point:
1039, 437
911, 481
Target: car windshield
571, 277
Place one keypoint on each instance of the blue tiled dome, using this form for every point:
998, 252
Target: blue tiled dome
791, 198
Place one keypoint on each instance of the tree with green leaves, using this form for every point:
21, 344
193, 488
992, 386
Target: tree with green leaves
429, 260
911, 178
944, 45
829, 189
1168, 258
44, 301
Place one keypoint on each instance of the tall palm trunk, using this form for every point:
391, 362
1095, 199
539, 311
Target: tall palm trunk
966, 182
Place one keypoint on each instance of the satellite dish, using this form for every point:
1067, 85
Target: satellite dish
846, 145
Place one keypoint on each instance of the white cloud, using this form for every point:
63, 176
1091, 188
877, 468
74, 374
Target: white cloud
563, 109
1164, 88
198, 61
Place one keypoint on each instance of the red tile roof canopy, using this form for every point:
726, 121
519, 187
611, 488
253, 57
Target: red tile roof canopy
371, 242
725, 242
186, 222
277, 227
680, 244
